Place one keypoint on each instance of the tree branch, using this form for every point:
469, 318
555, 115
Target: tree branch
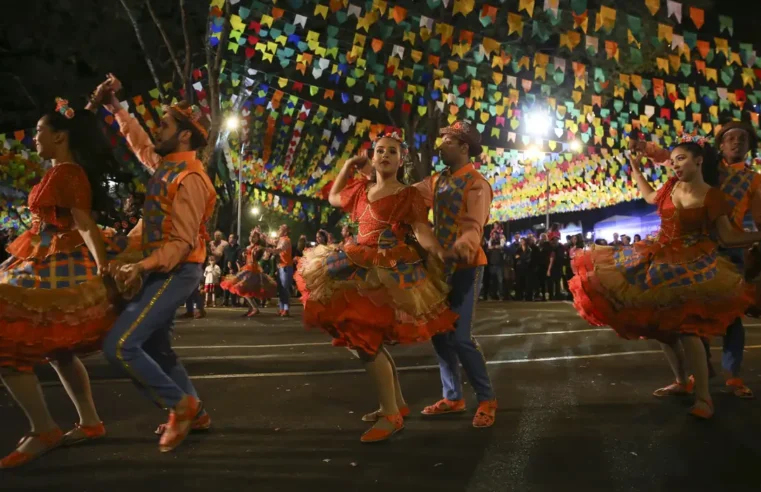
188, 69
168, 44
139, 37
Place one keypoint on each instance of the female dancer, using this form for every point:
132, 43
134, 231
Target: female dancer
53, 302
675, 288
377, 290
251, 282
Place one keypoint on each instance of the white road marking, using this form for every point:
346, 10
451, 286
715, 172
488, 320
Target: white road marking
406, 369
319, 344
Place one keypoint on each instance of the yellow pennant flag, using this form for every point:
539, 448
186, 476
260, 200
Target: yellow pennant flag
463, 7
653, 6
515, 24
528, 6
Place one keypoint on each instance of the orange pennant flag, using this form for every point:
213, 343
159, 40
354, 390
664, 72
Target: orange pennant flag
399, 13
528, 6
698, 16
611, 48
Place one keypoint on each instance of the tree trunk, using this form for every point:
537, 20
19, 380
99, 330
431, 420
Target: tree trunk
140, 41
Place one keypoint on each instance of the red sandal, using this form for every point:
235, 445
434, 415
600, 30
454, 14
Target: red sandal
81, 433
700, 411
178, 427
444, 406
51, 440
374, 416
376, 434
676, 389
739, 389
485, 415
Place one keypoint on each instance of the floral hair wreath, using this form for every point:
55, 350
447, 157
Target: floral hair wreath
394, 134
62, 106
696, 139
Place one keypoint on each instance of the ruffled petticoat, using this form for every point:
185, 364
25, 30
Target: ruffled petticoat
250, 282
659, 291
365, 297
52, 299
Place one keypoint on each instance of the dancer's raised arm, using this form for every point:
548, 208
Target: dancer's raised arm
351, 165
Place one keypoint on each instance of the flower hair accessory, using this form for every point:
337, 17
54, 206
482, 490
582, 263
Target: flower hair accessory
696, 139
62, 106
394, 134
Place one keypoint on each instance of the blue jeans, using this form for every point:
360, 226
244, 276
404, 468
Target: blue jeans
734, 339
284, 286
196, 298
459, 346
140, 341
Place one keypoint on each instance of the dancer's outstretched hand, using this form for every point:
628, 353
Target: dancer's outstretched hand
130, 274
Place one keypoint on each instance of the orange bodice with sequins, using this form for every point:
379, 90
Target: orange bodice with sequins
393, 213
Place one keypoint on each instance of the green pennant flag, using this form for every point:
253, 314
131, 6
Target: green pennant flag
635, 56
341, 16
579, 6
635, 24
727, 74
540, 32
618, 105
726, 23
660, 100
690, 39
558, 77
686, 69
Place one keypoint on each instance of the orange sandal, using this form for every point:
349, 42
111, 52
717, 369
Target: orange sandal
700, 411
485, 415
374, 416
739, 389
81, 433
178, 427
676, 389
51, 440
376, 434
444, 406
201, 423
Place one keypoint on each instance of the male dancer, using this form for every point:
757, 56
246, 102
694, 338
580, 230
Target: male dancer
284, 270
179, 200
742, 191
461, 199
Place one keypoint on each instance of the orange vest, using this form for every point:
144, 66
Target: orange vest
449, 206
159, 199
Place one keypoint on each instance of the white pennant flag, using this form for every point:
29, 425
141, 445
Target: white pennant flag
675, 9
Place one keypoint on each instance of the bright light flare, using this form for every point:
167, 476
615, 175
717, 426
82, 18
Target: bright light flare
575, 146
232, 122
538, 123
255, 211
273, 234
533, 153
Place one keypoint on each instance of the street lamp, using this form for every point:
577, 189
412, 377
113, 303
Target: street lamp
575, 146
538, 122
232, 123
255, 211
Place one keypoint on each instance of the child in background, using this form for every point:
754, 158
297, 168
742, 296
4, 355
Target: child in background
212, 275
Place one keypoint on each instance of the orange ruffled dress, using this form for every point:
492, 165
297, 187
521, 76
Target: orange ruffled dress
676, 284
251, 281
377, 289
51, 297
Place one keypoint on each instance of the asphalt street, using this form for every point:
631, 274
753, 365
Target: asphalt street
575, 413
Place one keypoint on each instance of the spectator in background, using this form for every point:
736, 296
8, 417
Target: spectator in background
495, 255
541, 262
522, 257
616, 241
212, 276
217, 246
637, 238
229, 266
348, 235
555, 268
626, 240
554, 232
